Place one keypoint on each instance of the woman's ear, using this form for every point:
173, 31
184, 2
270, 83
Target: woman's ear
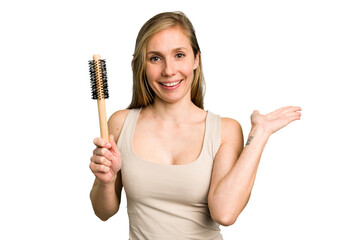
196, 62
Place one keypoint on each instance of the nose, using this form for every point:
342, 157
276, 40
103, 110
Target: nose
169, 69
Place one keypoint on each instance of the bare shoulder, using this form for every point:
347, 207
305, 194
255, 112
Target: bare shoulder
116, 122
231, 131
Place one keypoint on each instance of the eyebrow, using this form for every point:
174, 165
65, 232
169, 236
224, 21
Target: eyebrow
174, 50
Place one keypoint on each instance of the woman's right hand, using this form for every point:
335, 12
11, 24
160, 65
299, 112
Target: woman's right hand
106, 160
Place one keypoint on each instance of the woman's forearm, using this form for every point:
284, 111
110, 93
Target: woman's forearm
104, 200
233, 191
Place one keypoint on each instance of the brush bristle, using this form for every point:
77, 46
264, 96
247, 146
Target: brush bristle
98, 79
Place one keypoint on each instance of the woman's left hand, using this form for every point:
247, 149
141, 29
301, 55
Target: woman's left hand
275, 120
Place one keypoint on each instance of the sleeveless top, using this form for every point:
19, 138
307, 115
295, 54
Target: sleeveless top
169, 201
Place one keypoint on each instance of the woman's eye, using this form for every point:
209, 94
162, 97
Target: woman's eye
154, 59
180, 55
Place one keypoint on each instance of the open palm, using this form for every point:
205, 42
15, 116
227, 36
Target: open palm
275, 120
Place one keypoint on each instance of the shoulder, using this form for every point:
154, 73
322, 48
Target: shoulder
116, 122
231, 130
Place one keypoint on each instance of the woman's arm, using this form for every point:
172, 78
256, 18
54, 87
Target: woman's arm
105, 163
233, 176
105, 199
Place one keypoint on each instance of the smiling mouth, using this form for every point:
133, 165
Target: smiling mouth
171, 84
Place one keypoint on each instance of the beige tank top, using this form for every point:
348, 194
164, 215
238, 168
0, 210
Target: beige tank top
169, 201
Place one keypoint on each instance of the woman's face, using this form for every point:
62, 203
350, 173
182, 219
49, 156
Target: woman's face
170, 63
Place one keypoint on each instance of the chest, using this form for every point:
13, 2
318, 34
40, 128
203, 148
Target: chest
159, 184
168, 143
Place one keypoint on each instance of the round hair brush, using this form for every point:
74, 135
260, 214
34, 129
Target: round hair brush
99, 90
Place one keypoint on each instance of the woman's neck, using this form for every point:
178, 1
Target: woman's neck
175, 112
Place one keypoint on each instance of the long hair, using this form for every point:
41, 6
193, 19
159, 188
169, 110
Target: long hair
143, 95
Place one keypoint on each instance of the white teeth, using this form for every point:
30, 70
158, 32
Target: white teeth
171, 84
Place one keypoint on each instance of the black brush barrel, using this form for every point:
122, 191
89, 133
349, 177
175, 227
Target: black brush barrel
98, 79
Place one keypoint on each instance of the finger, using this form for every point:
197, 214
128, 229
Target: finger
98, 168
287, 108
101, 160
291, 109
114, 149
292, 116
103, 152
99, 142
284, 111
280, 109
254, 113
296, 116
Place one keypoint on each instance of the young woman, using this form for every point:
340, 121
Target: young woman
184, 170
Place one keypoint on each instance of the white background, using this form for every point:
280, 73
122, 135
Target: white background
256, 55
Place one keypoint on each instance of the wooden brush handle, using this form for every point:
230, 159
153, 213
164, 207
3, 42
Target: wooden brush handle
102, 111
103, 120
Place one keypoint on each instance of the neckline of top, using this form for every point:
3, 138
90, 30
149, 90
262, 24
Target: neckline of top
163, 164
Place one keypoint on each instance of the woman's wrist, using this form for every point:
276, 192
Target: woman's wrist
108, 184
258, 132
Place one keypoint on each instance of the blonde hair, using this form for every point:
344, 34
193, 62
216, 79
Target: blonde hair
143, 95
